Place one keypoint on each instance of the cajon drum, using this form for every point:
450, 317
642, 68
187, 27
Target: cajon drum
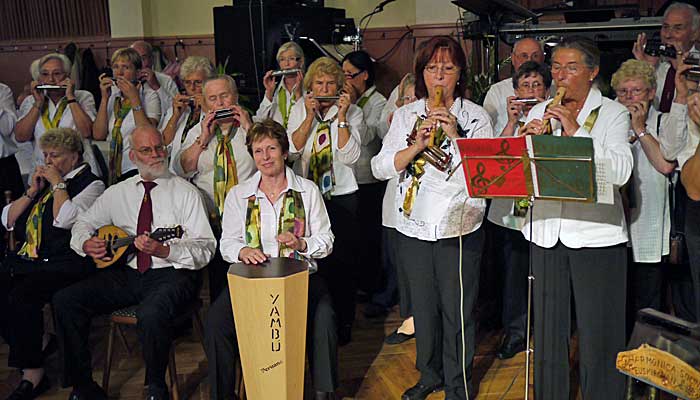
269, 304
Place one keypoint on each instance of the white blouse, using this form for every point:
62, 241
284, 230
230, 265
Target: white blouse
442, 208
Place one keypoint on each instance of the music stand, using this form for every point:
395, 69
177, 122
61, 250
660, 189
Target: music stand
532, 167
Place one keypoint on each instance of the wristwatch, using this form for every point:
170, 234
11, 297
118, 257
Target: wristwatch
641, 134
59, 186
343, 124
137, 108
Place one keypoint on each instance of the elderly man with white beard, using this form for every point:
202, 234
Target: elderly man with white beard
160, 280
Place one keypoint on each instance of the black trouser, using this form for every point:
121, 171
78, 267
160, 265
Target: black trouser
433, 273
369, 261
512, 255
339, 269
217, 271
21, 304
597, 277
321, 342
692, 236
161, 295
395, 278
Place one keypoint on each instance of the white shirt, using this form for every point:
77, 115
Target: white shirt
203, 177
372, 138
442, 201
317, 231
151, 106
650, 220
167, 92
496, 103
271, 109
86, 102
176, 145
661, 71
389, 108
577, 224
343, 159
175, 202
674, 131
8, 119
70, 208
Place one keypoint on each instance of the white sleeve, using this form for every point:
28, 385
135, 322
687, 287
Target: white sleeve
68, 213
232, 235
264, 110
491, 104
151, 104
197, 247
8, 117
673, 133
350, 153
320, 241
394, 141
296, 117
99, 214
87, 103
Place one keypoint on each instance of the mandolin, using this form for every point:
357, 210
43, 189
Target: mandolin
118, 241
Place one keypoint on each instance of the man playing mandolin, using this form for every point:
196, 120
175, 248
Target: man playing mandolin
160, 280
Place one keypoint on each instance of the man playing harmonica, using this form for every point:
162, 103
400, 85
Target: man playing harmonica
159, 82
214, 156
60, 105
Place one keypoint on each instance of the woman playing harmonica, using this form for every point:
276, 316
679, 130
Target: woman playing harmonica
326, 134
433, 212
281, 97
61, 106
581, 246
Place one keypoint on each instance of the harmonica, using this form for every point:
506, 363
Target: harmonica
284, 72
223, 114
327, 98
191, 101
527, 101
133, 82
50, 87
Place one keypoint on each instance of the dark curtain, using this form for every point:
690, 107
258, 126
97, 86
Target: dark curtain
40, 19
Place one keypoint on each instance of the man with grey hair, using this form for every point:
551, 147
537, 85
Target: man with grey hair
215, 157
159, 282
159, 82
60, 106
495, 103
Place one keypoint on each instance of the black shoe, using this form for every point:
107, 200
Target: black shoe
26, 390
510, 346
90, 391
373, 310
397, 338
156, 392
325, 396
421, 391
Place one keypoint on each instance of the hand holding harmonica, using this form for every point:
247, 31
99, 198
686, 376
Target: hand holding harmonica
183, 101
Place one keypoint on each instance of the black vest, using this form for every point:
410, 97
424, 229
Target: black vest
55, 242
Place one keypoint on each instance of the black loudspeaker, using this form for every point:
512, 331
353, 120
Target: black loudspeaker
247, 40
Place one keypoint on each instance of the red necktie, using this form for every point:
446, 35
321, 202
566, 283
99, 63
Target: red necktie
143, 260
669, 91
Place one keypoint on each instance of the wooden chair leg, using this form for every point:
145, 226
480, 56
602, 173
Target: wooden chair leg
122, 336
108, 359
199, 329
174, 384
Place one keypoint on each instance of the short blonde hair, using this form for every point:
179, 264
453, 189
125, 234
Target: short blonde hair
634, 69
62, 138
324, 66
193, 64
297, 50
129, 55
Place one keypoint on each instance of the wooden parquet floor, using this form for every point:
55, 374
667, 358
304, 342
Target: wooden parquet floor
369, 369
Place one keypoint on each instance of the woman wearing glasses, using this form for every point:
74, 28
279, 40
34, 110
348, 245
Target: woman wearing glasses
281, 97
358, 69
568, 236
635, 85
186, 111
433, 213
325, 131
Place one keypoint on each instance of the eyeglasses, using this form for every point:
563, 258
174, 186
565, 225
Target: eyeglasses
448, 69
350, 75
288, 59
408, 99
533, 85
188, 82
626, 92
149, 151
569, 68
674, 28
